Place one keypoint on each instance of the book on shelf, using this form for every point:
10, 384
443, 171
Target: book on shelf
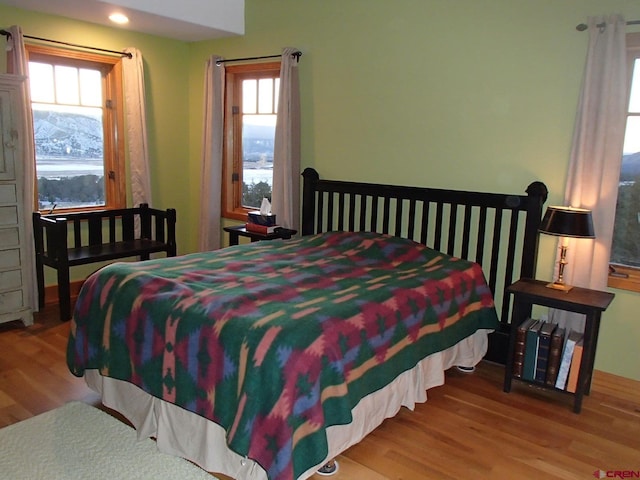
263, 229
531, 351
555, 352
518, 351
574, 369
544, 345
565, 363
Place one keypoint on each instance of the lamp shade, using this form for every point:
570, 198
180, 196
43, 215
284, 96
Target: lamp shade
567, 222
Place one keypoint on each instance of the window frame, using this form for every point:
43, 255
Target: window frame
113, 119
623, 276
232, 207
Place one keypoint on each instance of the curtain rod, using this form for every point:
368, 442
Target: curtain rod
583, 26
7, 34
294, 54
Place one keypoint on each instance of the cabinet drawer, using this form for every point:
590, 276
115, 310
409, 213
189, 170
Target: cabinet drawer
8, 194
10, 258
9, 237
10, 279
10, 301
9, 215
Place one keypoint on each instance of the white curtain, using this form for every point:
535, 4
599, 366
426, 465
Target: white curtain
286, 156
211, 186
136, 121
19, 66
596, 155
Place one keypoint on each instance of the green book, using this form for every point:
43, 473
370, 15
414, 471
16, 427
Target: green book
531, 351
518, 350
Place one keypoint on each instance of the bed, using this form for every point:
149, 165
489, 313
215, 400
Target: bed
266, 360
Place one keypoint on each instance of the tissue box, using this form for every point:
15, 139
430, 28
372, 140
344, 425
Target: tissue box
260, 219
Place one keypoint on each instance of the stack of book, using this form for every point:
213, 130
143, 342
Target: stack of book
544, 353
261, 223
257, 228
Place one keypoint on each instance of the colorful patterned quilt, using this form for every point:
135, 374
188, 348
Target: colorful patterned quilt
275, 341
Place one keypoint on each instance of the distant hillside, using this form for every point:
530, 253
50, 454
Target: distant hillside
630, 166
67, 134
258, 132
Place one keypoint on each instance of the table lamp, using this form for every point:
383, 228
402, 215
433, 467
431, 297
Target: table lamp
566, 222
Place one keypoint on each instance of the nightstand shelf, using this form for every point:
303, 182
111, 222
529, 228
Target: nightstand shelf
591, 303
238, 231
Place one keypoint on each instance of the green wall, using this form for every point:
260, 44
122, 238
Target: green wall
469, 94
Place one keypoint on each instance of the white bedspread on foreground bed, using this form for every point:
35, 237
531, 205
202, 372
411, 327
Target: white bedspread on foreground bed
182, 433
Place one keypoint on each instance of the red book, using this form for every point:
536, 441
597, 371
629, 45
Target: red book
263, 229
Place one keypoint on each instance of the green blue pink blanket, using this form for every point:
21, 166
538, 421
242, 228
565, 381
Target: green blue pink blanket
275, 341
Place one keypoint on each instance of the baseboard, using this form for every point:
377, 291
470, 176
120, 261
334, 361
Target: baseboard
51, 292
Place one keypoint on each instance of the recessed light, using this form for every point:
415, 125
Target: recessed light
119, 18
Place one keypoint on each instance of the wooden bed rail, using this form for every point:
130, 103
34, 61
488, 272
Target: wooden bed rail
68, 239
498, 231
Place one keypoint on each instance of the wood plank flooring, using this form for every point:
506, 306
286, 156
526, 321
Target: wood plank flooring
467, 429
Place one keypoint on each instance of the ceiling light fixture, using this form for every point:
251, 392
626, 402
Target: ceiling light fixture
119, 18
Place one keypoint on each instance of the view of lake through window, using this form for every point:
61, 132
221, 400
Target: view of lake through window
257, 158
625, 249
68, 129
259, 115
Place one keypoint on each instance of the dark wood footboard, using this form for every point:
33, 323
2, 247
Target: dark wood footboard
498, 231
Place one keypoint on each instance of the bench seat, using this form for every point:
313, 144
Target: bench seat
113, 251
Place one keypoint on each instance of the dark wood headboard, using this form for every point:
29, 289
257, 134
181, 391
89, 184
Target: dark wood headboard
498, 231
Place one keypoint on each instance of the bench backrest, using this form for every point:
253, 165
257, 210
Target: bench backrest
52, 232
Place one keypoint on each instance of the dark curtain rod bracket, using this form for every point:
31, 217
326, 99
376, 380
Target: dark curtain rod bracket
7, 34
583, 26
246, 59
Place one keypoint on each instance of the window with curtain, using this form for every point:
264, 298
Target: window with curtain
250, 121
625, 249
76, 100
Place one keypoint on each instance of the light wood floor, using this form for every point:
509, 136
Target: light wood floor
468, 428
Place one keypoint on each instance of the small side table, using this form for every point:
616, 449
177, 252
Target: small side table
528, 292
238, 231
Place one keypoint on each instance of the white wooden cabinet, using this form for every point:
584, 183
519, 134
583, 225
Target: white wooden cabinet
15, 278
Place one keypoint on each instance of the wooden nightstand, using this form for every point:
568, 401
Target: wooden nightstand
528, 292
238, 231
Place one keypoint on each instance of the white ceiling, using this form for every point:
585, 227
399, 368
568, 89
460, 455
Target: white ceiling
187, 20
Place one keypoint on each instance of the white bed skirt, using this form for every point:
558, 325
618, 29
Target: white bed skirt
184, 434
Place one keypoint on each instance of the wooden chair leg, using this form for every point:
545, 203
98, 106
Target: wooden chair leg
40, 281
64, 294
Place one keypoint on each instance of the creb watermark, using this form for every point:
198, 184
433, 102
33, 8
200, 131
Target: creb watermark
617, 474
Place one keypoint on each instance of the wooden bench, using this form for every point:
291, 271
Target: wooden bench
62, 241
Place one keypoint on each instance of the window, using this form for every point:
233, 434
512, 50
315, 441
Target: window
76, 102
625, 250
250, 123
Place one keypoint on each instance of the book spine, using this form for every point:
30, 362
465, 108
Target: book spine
256, 228
555, 350
574, 370
563, 371
518, 353
530, 352
543, 357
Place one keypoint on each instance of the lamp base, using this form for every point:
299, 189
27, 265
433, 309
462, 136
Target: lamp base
559, 286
